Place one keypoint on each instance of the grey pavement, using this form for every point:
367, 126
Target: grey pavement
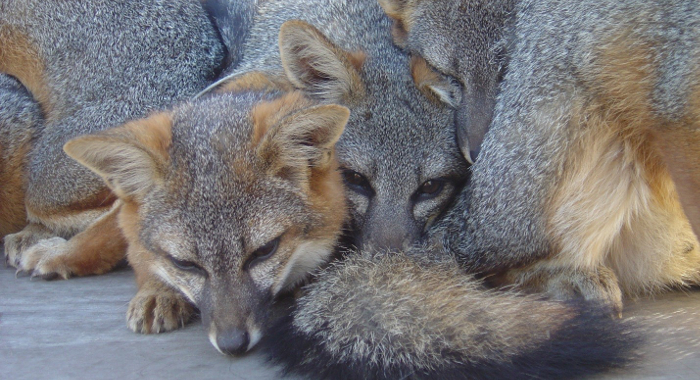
75, 329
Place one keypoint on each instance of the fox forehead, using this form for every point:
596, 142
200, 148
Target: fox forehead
215, 186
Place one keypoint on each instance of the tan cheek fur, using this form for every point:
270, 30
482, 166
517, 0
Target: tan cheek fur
616, 204
312, 248
138, 256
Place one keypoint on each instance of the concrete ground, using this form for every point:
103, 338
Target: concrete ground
75, 329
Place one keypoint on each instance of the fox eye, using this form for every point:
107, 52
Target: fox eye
186, 266
430, 189
357, 182
263, 253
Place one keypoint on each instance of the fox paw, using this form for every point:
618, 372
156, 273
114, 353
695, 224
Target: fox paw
155, 312
16, 244
44, 259
600, 285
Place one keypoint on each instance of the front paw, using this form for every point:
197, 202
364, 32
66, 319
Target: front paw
158, 310
16, 244
599, 285
44, 259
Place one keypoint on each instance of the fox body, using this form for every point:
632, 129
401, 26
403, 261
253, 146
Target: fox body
226, 202
131, 58
398, 153
592, 117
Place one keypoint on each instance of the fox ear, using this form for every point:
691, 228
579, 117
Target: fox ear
317, 66
394, 8
401, 11
129, 158
433, 84
302, 141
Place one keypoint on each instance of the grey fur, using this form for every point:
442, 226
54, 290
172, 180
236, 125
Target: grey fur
233, 19
416, 315
107, 62
396, 137
550, 54
21, 121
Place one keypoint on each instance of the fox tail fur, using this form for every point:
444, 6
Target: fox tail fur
410, 316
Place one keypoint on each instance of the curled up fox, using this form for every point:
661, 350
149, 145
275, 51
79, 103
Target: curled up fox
232, 199
586, 183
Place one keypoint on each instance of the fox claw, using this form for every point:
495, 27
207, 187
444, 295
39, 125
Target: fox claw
158, 310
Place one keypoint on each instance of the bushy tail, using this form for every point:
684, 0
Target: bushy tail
406, 317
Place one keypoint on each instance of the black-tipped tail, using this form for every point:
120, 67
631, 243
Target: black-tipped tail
351, 325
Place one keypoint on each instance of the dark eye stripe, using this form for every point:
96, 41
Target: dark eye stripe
263, 253
187, 266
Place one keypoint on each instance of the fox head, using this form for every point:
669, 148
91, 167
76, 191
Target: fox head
231, 199
398, 154
463, 39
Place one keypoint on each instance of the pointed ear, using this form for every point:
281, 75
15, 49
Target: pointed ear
130, 158
394, 8
303, 141
435, 85
401, 11
317, 66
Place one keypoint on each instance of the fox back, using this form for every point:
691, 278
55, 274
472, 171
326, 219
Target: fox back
92, 65
230, 199
398, 154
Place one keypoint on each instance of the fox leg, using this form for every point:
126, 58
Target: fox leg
614, 221
156, 307
94, 250
564, 282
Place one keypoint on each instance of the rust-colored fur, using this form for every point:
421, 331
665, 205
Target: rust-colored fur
615, 215
19, 58
13, 160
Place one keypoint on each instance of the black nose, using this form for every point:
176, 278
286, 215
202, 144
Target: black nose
233, 342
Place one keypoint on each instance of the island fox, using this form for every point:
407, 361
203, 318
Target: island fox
89, 65
225, 202
592, 110
399, 157
231, 199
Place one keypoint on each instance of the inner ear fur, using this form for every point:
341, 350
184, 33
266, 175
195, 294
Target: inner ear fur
317, 66
303, 140
130, 158
433, 84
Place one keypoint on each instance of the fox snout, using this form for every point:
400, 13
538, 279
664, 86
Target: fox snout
235, 315
233, 341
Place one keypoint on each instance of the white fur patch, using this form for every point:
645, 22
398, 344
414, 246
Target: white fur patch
165, 276
212, 339
255, 335
307, 257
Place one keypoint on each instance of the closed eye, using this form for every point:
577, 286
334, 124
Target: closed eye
187, 266
263, 253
